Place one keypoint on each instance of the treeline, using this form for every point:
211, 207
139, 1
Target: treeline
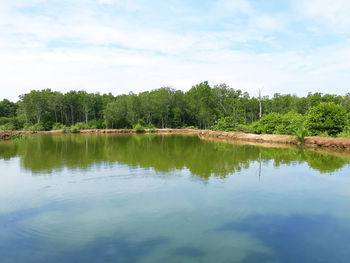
205, 107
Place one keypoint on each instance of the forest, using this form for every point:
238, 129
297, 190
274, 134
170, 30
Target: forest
204, 107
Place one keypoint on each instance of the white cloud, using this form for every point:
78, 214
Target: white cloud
270, 22
115, 54
333, 13
237, 6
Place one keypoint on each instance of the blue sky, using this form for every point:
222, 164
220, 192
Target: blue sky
120, 46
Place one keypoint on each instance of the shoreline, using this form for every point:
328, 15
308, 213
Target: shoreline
250, 138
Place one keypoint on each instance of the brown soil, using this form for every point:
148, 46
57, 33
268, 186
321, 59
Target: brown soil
339, 143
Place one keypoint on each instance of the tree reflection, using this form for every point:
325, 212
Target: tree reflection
47, 152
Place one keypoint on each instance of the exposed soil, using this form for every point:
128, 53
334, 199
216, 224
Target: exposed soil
315, 141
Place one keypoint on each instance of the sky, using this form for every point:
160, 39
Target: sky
122, 46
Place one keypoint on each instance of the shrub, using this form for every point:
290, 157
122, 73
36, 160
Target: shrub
7, 127
35, 127
16, 136
13, 123
327, 117
276, 123
97, 124
243, 128
4, 120
267, 124
150, 126
57, 126
139, 128
300, 133
81, 126
291, 123
66, 129
225, 124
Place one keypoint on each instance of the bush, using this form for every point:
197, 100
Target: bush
66, 129
16, 136
150, 126
57, 126
276, 123
243, 128
13, 123
36, 127
345, 133
8, 127
225, 124
291, 123
301, 133
267, 124
81, 126
139, 128
97, 124
327, 117
4, 120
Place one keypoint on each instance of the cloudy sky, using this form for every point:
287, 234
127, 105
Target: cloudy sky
119, 46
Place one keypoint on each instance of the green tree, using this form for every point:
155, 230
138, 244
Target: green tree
327, 117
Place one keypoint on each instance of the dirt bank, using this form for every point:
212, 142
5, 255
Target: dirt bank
4, 135
121, 131
338, 143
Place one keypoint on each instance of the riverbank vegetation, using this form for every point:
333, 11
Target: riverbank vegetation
202, 107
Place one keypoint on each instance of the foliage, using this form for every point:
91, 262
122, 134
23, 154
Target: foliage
139, 127
345, 133
36, 127
326, 117
276, 123
57, 126
225, 124
244, 128
300, 133
203, 106
7, 127
66, 129
97, 124
80, 126
10, 123
268, 123
16, 136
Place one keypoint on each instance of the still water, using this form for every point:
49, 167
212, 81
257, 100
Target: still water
152, 198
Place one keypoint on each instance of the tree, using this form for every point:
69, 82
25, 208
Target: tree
327, 117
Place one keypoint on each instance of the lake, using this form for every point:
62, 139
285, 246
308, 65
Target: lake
170, 198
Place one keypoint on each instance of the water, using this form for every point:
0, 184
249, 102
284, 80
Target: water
148, 198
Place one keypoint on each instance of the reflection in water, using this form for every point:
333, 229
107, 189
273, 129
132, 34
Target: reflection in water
163, 153
296, 237
104, 204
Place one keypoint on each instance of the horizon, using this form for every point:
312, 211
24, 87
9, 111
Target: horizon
286, 47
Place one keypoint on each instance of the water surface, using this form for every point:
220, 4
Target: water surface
153, 198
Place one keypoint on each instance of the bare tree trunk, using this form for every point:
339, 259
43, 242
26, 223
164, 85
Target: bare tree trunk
71, 113
260, 112
55, 114
86, 114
